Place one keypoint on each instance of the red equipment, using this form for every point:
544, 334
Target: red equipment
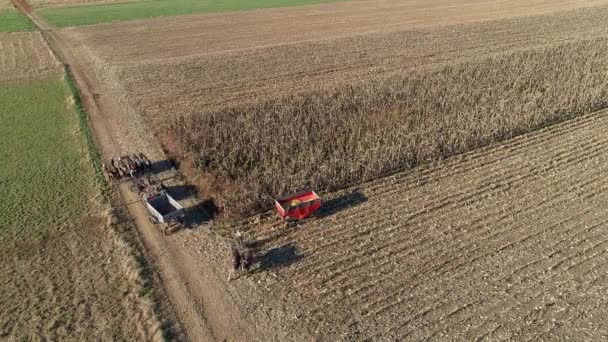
298, 206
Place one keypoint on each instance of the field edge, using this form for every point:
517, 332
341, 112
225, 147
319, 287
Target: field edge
124, 226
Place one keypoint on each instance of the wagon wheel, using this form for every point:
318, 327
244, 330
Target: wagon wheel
153, 219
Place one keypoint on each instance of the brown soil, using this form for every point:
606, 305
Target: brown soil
25, 56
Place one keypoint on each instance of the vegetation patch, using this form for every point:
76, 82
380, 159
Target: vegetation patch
14, 21
42, 171
95, 14
329, 140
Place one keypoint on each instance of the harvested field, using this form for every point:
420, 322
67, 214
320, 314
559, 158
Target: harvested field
193, 35
328, 140
5, 4
62, 3
502, 243
25, 55
199, 83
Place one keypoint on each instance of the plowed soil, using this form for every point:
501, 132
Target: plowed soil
24, 55
507, 242
193, 35
5, 4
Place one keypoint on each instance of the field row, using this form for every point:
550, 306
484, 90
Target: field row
167, 38
160, 90
121, 10
497, 243
25, 56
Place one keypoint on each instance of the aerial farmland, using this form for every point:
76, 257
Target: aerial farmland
457, 149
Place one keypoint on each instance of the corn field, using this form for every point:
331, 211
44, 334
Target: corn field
330, 140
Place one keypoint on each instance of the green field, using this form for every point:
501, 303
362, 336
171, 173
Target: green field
13, 21
45, 178
58, 254
94, 14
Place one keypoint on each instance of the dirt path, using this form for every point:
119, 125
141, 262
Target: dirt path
167, 259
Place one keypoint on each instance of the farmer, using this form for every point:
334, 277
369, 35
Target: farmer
236, 262
247, 260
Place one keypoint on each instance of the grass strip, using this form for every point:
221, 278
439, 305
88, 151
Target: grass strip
95, 14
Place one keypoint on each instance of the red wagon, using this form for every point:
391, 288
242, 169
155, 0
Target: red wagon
298, 206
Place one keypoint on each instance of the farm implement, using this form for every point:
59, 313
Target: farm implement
298, 206
163, 210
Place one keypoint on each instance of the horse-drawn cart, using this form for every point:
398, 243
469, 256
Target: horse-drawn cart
164, 210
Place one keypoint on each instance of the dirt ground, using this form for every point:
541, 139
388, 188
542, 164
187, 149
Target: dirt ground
501, 243
25, 56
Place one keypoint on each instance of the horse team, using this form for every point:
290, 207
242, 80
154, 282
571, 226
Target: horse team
126, 166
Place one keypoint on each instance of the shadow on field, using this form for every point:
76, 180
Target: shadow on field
160, 166
181, 192
279, 257
200, 213
343, 202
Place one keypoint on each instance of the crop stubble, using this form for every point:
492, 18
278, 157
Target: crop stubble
503, 242
167, 38
322, 72
24, 55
